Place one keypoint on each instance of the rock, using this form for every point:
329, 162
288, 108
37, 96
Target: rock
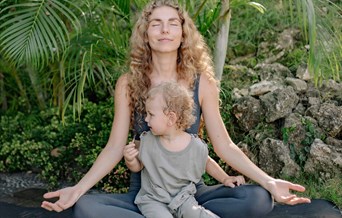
273, 72
334, 142
239, 93
274, 158
313, 101
303, 72
329, 117
248, 112
294, 131
279, 103
331, 90
297, 84
300, 109
263, 87
324, 159
287, 39
293, 110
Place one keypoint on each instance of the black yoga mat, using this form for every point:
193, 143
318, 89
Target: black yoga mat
317, 209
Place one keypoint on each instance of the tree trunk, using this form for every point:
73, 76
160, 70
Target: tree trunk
222, 39
3, 99
21, 87
36, 87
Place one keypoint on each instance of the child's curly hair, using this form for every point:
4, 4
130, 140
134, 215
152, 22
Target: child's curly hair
177, 99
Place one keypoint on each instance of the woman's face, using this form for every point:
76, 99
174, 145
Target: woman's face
164, 30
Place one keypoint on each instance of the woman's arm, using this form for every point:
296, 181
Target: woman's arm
113, 152
214, 170
225, 148
106, 160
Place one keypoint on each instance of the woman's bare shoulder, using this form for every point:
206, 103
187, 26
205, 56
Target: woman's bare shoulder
208, 86
121, 88
208, 80
122, 81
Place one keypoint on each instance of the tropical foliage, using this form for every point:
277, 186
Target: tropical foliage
57, 52
63, 51
321, 27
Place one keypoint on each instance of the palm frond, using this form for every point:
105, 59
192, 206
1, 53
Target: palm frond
321, 28
36, 32
97, 57
257, 6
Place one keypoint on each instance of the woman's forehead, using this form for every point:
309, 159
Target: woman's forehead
164, 13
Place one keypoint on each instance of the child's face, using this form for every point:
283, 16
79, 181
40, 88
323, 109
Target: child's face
156, 118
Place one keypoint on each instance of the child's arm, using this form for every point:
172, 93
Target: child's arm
213, 169
131, 157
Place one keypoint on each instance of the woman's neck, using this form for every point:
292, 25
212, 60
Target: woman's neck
164, 66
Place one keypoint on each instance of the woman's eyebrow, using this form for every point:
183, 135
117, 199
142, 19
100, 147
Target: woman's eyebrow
175, 19
170, 19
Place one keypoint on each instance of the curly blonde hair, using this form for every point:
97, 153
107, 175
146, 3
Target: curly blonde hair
177, 99
193, 56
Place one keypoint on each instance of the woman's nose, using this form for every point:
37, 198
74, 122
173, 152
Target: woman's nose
165, 28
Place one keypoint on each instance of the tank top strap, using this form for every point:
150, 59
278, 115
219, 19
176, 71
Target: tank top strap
197, 107
196, 89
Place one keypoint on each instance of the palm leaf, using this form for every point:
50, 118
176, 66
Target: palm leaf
257, 6
97, 56
323, 33
36, 32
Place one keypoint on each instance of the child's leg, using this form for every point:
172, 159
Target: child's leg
153, 209
191, 209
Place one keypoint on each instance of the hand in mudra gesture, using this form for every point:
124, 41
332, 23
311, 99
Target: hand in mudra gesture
67, 197
280, 190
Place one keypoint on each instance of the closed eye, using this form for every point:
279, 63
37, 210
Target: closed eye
155, 23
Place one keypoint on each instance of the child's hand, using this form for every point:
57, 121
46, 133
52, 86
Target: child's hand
130, 152
233, 181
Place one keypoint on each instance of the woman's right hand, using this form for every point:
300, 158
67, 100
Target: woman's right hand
67, 197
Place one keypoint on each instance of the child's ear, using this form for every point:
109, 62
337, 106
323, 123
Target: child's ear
172, 118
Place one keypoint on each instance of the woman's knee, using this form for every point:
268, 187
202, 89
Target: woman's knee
85, 207
259, 200
243, 201
105, 205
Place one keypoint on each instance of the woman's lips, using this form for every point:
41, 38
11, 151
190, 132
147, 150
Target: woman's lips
165, 40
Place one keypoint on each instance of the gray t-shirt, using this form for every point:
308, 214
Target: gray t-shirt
167, 175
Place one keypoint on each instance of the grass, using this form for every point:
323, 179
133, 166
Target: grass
329, 189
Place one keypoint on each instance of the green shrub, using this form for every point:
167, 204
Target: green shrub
19, 156
59, 151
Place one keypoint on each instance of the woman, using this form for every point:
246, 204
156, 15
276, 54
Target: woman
165, 46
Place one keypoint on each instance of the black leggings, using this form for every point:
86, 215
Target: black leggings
243, 201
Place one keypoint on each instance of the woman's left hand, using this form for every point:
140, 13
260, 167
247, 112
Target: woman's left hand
280, 190
233, 181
